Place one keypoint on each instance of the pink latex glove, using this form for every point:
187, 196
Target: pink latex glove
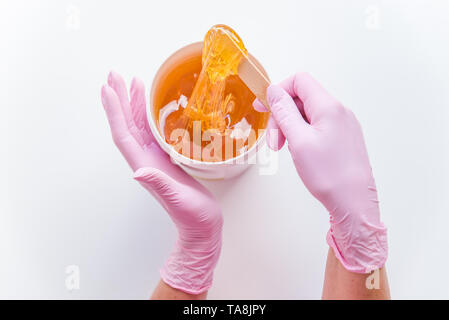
192, 208
327, 146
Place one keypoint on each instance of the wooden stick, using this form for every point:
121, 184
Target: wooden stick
254, 79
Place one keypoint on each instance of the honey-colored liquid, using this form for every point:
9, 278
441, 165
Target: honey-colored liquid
203, 108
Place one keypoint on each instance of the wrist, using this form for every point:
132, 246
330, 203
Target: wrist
191, 264
359, 242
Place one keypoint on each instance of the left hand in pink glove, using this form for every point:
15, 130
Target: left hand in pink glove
192, 207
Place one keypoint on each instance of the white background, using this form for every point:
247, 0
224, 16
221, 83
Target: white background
67, 196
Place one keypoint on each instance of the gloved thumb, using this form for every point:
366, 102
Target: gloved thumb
286, 113
160, 184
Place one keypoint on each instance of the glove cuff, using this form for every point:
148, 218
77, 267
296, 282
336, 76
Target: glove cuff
360, 254
190, 270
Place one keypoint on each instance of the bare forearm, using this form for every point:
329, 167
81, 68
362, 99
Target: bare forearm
340, 283
164, 292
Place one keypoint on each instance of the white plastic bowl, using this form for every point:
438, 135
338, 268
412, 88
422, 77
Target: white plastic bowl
199, 169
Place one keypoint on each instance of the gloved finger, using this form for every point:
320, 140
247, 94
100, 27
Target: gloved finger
286, 85
160, 184
117, 83
316, 101
139, 110
286, 113
275, 137
124, 141
258, 106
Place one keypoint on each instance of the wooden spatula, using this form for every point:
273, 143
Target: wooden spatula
254, 79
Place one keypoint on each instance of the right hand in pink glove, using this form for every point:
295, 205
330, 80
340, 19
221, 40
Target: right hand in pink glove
192, 208
327, 146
